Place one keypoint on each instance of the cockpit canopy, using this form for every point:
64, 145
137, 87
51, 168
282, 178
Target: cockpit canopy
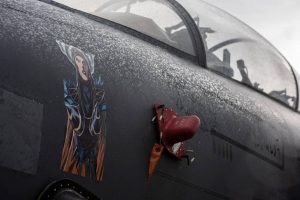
235, 50
232, 48
155, 18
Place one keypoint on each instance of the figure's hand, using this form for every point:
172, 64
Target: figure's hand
98, 119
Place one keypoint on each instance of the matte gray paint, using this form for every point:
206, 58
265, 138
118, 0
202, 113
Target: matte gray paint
20, 132
136, 75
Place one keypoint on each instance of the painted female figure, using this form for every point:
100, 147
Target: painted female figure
83, 151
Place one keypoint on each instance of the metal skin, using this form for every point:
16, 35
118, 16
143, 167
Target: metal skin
247, 146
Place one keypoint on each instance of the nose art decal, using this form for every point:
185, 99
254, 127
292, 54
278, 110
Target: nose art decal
84, 98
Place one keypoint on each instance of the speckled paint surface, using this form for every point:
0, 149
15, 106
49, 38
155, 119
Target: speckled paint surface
136, 75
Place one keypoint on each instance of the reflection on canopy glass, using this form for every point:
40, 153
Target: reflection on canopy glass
236, 51
155, 18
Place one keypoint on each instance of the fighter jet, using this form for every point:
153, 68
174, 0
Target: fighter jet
143, 99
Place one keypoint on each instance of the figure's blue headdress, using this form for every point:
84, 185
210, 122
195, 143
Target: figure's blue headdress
69, 50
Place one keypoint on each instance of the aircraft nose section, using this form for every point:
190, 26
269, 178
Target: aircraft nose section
180, 128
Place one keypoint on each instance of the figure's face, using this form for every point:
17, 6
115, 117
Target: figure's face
82, 67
